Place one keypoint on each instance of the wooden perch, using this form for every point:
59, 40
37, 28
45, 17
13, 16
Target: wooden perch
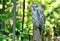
36, 34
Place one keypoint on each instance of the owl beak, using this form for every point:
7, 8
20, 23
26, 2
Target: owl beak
33, 8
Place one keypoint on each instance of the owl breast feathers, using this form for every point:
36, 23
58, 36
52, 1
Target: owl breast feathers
37, 16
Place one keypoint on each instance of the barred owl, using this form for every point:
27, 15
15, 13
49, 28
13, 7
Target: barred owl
37, 16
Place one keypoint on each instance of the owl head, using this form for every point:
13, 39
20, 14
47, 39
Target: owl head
36, 6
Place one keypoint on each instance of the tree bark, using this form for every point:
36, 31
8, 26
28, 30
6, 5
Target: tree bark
14, 21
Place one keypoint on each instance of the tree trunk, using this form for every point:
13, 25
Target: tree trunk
14, 21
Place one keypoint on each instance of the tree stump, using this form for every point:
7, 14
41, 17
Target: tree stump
36, 34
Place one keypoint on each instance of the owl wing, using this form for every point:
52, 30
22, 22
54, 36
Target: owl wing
41, 18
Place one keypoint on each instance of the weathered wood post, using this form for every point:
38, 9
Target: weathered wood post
36, 34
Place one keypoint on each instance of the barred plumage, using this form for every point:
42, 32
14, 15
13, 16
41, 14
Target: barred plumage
37, 16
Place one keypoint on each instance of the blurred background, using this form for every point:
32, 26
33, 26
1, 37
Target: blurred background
24, 25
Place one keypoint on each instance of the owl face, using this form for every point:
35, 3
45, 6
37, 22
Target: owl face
36, 6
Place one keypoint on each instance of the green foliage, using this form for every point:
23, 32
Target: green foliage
52, 15
2, 37
51, 12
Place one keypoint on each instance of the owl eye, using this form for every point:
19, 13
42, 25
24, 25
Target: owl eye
36, 6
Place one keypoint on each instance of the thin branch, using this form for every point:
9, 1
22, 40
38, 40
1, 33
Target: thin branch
14, 21
23, 18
